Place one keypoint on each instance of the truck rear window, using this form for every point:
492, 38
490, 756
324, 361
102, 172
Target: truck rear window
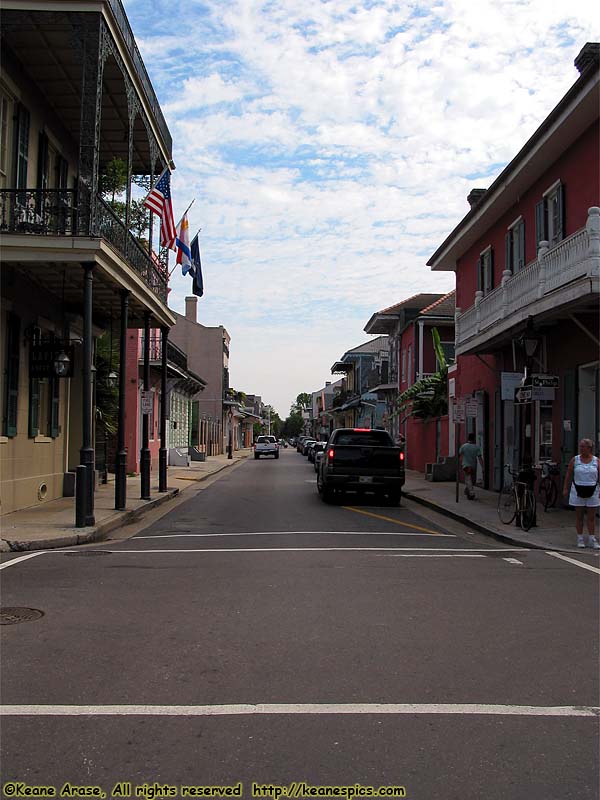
364, 439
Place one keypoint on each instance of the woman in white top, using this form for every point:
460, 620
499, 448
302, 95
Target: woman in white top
584, 471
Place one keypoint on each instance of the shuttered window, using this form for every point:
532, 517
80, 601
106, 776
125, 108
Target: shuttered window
34, 397
550, 216
515, 247
22, 146
485, 271
11, 398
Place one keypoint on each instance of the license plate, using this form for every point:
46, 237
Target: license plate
365, 479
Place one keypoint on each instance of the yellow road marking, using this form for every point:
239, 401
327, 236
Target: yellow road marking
391, 519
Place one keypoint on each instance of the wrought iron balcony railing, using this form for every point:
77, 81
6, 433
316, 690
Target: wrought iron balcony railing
56, 212
175, 355
127, 34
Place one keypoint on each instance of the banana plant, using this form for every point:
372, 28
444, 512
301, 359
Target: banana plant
428, 397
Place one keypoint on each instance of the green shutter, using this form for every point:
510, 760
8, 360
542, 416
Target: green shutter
521, 229
490, 275
479, 280
540, 223
34, 407
508, 265
54, 406
560, 213
12, 375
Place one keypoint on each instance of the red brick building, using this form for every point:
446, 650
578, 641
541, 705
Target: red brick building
527, 264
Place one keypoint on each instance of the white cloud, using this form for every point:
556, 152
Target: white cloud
329, 147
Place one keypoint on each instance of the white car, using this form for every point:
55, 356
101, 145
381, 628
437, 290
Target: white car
266, 446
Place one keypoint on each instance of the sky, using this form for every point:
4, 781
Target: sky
329, 148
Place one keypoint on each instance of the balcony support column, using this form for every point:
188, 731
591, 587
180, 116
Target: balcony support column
478, 299
162, 454
145, 457
121, 460
593, 229
92, 40
84, 498
541, 256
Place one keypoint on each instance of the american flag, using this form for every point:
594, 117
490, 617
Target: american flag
159, 201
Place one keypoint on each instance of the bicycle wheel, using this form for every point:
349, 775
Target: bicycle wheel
527, 509
544, 492
507, 504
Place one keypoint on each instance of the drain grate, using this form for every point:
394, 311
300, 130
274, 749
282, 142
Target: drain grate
11, 615
87, 553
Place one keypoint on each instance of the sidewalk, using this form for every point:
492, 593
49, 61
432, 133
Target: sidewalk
52, 524
555, 528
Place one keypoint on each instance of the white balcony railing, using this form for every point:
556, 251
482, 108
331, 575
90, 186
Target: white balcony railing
573, 258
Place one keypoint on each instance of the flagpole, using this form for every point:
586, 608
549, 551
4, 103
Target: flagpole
178, 224
186, 211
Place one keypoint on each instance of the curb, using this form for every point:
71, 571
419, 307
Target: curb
95, 534
501, 537
100, 532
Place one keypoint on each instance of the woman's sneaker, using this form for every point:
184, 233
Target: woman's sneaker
580, 541
593, 543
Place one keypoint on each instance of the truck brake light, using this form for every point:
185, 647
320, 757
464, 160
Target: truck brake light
362, 429
331, 453
401, 455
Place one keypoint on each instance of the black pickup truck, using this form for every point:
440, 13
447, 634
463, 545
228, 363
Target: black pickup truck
361, 460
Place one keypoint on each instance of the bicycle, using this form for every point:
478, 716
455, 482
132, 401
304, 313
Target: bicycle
516, 499
548, 491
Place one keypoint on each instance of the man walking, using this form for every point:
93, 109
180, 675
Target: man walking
468, 455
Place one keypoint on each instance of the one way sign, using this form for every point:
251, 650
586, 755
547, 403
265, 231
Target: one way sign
523, 395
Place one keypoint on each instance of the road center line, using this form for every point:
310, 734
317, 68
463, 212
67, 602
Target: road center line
573, 561
21, 558
299, 708
391, 519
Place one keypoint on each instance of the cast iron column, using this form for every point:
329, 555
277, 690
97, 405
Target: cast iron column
145, 458
121, 460
86, 454
162, 453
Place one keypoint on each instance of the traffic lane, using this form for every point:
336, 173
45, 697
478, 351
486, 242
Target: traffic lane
274, 496
467, 757
300, 626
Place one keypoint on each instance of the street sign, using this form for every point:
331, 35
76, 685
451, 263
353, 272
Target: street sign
146, 402
471, 407
542, 393
459, 412
523, 396
509, 381
545, 381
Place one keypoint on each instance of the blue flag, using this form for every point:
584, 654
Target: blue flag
196, 268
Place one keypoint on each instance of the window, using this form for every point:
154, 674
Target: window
485, 271
448, 350
22, 140
403, 365
44, 396
5, 110
515, 246
550, 215
11, 378
409, 365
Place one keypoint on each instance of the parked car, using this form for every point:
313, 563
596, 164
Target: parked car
361, 460
299, 442
306, 445
266, 446
317, 453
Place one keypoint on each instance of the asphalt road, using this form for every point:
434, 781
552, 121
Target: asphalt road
255, 634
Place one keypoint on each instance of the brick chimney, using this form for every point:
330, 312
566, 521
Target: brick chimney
191, 304
475, 196
589, 54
